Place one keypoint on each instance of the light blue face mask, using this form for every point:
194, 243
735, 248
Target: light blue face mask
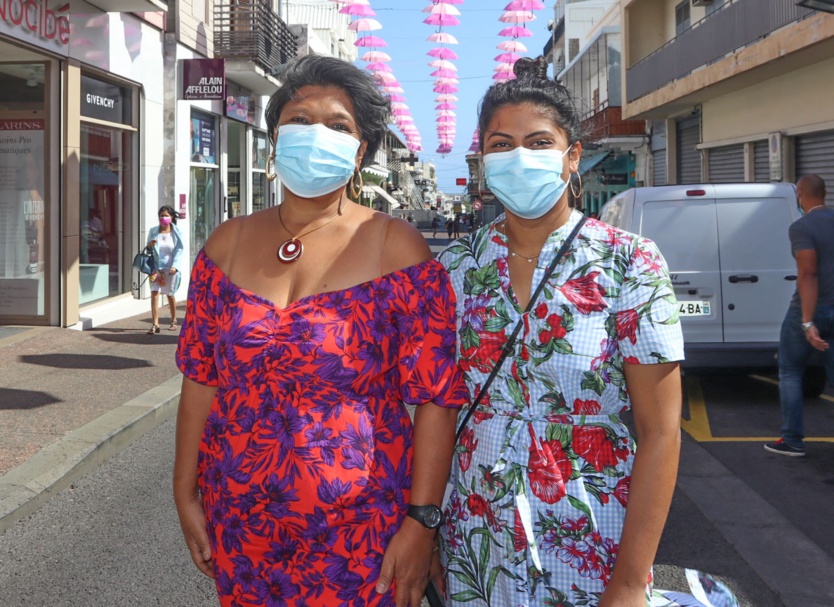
528, 182
313, 160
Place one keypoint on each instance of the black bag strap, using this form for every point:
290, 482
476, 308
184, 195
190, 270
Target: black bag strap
508, 347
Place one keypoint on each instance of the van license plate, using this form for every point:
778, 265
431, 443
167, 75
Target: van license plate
693, 308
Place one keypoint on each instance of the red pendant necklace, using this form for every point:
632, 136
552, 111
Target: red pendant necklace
292, 249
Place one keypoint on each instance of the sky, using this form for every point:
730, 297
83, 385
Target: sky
404, 31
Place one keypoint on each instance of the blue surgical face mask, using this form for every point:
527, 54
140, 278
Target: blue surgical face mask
313, 160
528, 182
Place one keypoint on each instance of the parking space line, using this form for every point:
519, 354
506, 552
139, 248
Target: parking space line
697, 426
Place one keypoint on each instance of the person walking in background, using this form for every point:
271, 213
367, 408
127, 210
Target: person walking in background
450, 226
165, 240
550, 502
299, 478
809, 321
435, 223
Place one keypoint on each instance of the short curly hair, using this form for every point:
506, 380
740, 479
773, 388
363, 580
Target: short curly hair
371, 109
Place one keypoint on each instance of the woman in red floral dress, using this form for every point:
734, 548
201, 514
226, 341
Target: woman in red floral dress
299, 479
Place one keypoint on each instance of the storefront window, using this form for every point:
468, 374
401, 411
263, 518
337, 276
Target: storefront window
104, 210
260, 191
233, 190
23, 207
202, 206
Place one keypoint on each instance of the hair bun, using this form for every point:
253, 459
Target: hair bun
531, 68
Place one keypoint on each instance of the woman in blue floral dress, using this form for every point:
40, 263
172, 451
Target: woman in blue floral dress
552, 505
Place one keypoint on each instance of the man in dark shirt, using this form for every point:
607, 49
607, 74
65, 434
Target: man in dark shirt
809, 322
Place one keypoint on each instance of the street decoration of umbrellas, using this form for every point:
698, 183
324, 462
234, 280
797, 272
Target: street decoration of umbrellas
442, 14
377, 63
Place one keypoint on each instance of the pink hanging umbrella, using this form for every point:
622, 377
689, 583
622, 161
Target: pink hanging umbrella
516, 31
401, 113
445, 113
358, 10
388, 79
476, 146
365, 25
445, 88
392, 89
398, 105
443, 38
442, 20
442, 64
371, 41
443, 74
372, 56
517, 17
502, 76
513, 46
508, 57
448, 1
396, 98
445, 98
442, 53
442, 9
440, 81
379, 67
446, 106
503, 67
446, 119
524, 5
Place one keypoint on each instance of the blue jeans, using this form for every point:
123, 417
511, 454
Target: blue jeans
794, 353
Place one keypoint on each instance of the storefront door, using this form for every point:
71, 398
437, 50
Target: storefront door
203, 193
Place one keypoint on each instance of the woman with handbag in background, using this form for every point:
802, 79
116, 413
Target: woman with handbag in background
549, 503
165, 241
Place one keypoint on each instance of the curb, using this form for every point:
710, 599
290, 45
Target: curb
55, 467
789, 562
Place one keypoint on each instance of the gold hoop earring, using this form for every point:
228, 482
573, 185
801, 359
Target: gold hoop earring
271, 176
356, 191
574, 193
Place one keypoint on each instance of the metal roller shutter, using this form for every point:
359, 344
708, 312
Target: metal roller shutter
815, 155
689, 157
761, 161
726, 164
659, 163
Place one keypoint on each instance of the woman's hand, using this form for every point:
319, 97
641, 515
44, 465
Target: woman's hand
151, 244
407, 563
436, 571
617, 596
193, 523
172, 271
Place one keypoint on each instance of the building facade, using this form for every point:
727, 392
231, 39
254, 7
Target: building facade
736, 91
81, 107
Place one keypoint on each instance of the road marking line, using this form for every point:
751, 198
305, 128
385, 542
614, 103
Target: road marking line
775, 382
697, 426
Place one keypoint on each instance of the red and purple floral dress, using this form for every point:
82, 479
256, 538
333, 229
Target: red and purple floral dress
305, 461
542, 471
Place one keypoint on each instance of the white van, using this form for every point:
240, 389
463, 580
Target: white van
730, 261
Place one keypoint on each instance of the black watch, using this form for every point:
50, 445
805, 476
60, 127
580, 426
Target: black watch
429, 516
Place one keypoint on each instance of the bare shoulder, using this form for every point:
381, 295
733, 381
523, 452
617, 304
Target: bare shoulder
221, 243
404, 246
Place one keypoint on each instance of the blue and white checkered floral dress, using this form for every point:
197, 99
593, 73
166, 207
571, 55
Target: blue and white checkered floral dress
543, 469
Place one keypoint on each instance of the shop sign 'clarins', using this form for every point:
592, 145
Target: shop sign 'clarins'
36, 16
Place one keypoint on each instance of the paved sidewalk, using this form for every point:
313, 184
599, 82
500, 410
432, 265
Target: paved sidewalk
70, 399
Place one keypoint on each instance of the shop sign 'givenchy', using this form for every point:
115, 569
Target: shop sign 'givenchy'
99, 100
36, 16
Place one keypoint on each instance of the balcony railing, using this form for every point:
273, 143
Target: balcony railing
608, 122
735, 25
252, 31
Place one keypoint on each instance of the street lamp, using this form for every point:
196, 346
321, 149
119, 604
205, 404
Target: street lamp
817, 5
